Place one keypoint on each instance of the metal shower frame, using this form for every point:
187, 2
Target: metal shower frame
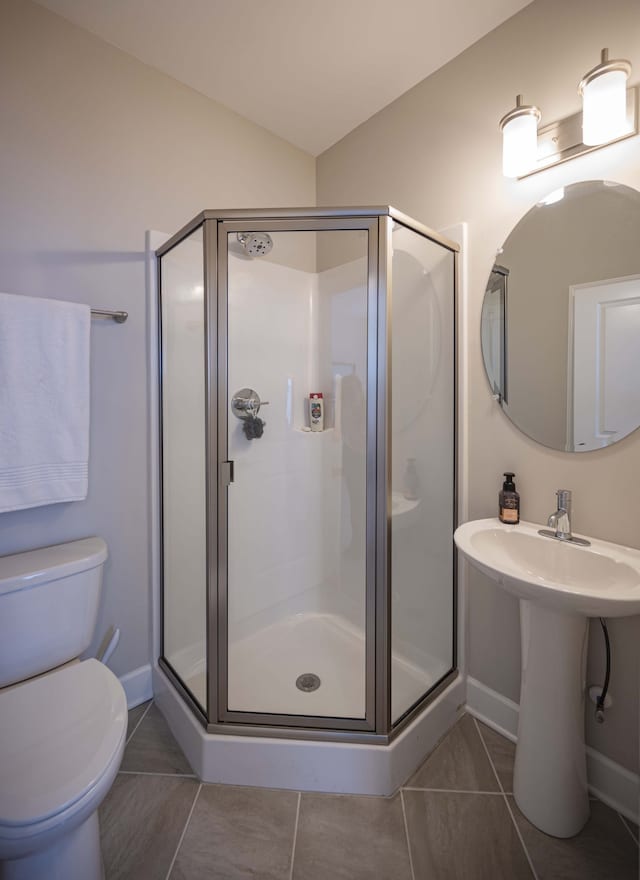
377, 726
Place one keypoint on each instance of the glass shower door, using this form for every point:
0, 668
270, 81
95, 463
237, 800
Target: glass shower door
296, 307
422, 467
184, 526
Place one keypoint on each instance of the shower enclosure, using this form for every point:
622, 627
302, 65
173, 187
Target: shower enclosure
308, 576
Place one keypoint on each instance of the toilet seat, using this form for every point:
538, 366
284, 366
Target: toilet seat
60, 736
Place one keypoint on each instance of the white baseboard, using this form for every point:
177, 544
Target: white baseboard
492, 708
613, 784
137, 685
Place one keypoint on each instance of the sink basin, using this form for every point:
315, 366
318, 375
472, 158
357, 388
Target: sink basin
602, 580
560, 585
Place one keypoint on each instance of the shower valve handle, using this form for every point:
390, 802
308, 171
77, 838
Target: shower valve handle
246, 403
243, 405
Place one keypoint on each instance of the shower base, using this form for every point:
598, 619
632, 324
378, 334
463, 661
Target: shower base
263, 670
304, 764
264, 667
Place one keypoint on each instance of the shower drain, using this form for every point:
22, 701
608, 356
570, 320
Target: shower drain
308, 681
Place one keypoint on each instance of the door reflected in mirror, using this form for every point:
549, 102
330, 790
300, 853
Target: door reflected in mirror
561, 318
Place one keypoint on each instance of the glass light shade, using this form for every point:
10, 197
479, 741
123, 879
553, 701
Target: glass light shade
519, 145
556, 196
604, 108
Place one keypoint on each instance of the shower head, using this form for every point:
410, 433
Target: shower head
256, 244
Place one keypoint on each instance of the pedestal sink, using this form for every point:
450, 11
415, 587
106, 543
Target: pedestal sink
560, 585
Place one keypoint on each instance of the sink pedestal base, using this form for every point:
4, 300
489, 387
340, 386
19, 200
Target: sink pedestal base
550, 777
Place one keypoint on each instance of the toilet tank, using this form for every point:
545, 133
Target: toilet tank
48, 606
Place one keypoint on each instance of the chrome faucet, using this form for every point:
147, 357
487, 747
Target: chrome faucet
560, 521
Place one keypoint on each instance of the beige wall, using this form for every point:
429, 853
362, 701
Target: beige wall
435, 154
95, 149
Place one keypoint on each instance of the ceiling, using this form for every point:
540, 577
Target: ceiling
308, 70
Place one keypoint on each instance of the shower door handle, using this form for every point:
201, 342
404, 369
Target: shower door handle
226, 472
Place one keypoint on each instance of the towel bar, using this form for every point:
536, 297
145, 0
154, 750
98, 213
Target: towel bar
118, 317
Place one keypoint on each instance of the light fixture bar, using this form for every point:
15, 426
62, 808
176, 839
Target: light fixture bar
562, 140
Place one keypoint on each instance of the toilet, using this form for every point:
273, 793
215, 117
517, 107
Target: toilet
63, 721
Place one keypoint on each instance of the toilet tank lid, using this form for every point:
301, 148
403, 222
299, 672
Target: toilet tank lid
24, 570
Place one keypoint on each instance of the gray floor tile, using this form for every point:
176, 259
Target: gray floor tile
603, 850
633, 828
238, 833
459, 836
141, 821
134, 717
458, 763
503, 755
351, 838
153, 749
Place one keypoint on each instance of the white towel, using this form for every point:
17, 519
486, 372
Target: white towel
44, 401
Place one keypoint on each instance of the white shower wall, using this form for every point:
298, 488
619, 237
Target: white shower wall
342, 357
276, 556
291, 332
297, 506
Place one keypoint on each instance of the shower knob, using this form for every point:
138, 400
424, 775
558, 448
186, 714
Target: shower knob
246, 403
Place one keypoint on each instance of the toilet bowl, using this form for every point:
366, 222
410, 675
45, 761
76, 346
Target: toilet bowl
63, 722
62, 737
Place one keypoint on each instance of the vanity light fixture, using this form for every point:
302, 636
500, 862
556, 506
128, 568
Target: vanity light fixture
604, 101
609, 114
519, 129
556, 196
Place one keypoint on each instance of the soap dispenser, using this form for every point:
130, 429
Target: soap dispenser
509, 501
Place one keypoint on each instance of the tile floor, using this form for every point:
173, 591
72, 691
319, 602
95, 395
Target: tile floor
453, 820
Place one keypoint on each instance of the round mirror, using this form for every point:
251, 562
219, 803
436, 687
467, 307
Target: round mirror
561, 318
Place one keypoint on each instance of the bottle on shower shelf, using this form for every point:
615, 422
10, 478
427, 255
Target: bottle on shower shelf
411, 481
316, 411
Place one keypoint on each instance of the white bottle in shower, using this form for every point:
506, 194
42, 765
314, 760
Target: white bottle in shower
411, 481
316, 411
